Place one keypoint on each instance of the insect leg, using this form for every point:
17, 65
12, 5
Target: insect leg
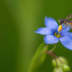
64, 25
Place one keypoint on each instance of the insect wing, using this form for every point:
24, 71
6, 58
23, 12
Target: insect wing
69, 16
70, 25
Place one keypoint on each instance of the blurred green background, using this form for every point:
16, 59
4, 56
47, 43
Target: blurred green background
18, 42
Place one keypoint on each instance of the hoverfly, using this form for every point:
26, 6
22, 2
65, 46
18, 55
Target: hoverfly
66, 22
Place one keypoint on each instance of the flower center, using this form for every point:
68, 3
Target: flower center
57, 35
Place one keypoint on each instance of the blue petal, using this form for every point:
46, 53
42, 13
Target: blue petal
50, 39
51, 23
67, 41
70, 33
63, 33
43, 31
65, 28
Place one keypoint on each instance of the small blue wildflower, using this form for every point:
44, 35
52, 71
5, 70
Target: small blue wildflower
52, 34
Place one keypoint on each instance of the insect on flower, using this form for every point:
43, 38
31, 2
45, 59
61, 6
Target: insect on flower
66, 22
52, 34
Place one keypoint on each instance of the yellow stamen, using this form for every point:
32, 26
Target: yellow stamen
60, 28
57, 35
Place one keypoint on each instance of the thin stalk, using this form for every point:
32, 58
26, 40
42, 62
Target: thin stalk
53, 58
54, 55
53, 48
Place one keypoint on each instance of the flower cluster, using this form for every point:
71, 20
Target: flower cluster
52, 34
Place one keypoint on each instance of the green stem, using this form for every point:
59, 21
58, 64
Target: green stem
53, 48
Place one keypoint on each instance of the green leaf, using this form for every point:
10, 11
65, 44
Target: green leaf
38, 58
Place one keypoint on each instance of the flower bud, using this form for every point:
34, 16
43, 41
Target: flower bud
60, 28
58, 70
58, 62
65, 68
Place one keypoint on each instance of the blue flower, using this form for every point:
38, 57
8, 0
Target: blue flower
52, 34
